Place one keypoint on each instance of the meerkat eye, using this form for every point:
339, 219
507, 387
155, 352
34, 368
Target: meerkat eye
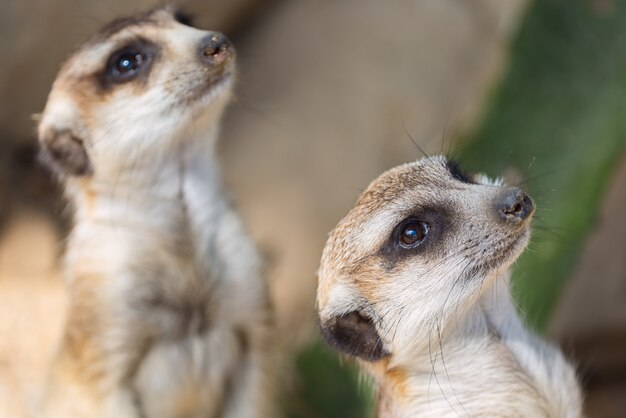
412, 232
125, 64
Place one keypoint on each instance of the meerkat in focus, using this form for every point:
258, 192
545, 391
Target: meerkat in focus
413, 282
169, 314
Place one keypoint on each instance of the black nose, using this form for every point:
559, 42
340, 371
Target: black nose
215, 48
514, 206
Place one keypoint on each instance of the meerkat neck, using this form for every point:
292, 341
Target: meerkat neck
488, 360
137, 186
173, 204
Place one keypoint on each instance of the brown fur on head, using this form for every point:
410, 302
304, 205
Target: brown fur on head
136, 84
417, 248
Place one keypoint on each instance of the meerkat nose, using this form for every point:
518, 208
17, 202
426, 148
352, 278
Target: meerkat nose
514, 206
215, 49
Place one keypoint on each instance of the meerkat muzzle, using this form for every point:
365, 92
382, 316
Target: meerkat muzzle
514, 206
216, 49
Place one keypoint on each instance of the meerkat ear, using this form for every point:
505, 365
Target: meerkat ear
355, 334
182, 16
64, 152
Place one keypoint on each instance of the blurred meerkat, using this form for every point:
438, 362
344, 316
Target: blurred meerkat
413, 282
169, 314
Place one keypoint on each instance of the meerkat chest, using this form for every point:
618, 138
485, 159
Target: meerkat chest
180, 281
200, 281
472, 378
189, 377
201, 299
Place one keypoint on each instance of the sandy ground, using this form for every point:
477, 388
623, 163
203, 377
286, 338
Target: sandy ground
32, 308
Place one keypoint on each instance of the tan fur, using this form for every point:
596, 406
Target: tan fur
444, 338
169, 314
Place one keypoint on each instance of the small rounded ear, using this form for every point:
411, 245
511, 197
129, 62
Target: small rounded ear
354, 334
182, 16
64, 152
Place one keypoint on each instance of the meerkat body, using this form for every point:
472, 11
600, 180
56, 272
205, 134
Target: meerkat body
169, 314
413, 282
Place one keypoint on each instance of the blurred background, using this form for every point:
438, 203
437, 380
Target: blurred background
327, 95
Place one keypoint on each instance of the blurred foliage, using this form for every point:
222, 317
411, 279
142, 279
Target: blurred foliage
559, 118
327, 388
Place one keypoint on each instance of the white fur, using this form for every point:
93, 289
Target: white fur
487, 365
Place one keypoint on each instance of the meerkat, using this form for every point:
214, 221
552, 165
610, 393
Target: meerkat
169, 314
413, 283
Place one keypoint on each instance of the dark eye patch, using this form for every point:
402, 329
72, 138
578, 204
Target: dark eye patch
456, 172
431, 225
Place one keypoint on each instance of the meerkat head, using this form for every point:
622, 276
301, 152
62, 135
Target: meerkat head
420, 244
135, 84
